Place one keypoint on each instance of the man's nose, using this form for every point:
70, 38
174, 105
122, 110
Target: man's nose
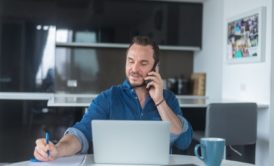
135, 67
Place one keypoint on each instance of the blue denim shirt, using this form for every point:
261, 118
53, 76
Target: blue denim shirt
121, 103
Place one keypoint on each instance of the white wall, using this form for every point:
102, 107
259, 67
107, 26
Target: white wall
251, 82
248, 81
209, 59
245, 82
271, 138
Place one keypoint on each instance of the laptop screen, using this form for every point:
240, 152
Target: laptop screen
131, 142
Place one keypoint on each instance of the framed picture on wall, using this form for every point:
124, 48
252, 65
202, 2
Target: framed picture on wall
246, 37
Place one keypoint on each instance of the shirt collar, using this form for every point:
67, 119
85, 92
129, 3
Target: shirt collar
126, 85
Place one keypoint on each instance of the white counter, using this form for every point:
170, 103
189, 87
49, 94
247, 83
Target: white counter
80, 100
84, 100
71, 100
25, 96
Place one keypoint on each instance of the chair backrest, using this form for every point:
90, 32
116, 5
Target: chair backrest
236, 122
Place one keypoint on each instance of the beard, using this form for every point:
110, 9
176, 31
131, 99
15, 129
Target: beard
136, 79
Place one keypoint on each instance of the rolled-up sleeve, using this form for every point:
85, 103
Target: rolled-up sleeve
81, 137
184, 122
183, 139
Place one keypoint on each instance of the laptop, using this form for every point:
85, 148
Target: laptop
131, 142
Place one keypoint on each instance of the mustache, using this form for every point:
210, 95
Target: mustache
135, 74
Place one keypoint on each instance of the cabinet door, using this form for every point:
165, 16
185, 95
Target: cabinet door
11, 56
22, 48
169, 23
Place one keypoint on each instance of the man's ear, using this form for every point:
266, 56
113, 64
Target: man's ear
157, 68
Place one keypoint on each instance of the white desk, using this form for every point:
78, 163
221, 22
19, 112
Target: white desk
88, 160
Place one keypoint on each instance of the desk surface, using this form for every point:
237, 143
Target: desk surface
88, 160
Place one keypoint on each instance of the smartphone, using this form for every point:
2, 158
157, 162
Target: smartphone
153, 69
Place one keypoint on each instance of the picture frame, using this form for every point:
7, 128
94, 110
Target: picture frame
245, 38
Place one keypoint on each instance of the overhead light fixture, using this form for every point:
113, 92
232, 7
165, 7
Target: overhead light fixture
45, 27
39, 27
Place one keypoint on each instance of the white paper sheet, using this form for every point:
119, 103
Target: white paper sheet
64, 161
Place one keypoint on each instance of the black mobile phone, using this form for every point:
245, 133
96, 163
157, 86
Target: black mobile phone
153, 69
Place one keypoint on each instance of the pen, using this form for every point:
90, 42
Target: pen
47, 140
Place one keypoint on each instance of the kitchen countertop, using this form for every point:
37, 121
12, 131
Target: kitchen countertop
84, 100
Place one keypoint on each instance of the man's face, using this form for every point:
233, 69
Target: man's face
139, 62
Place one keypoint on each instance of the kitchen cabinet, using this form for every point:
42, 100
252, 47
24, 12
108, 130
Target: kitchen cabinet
108, 23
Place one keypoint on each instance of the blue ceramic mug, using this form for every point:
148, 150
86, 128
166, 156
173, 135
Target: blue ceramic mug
212, 151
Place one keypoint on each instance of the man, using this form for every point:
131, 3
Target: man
140, 97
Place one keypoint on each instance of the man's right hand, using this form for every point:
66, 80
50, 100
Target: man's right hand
42, 148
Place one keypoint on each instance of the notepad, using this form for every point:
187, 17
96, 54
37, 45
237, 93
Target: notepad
63, 161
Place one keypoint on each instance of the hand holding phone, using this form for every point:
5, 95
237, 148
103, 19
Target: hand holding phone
154, 84
153, 69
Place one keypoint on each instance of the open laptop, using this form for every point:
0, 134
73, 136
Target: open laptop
131, 142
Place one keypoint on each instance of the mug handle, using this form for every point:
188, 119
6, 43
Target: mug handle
201, 157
